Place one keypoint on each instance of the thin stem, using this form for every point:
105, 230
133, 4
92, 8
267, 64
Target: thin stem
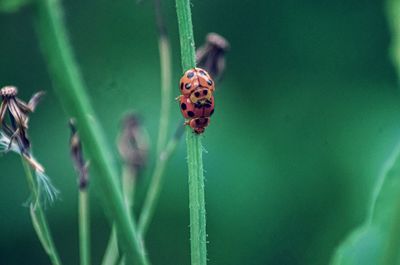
38, 217
84, 227
112, 255
165, 66
128, 187
154, 190
194, 147
71, 90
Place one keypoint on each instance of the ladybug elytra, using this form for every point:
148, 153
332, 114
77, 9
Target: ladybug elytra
195, 78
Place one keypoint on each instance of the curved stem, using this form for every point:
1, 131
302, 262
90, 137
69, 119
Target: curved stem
165, 67
111, 255
194, 147
154, 190
71, 89
38, 217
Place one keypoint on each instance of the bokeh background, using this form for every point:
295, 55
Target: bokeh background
306, 116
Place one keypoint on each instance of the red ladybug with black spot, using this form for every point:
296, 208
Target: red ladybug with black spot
196, 110
195, 78
201, 95
198, 124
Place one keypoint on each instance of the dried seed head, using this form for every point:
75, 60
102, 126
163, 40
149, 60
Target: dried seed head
14, 136
9, 91
77, 157
18, 110
133, 143
218, 41
211, 56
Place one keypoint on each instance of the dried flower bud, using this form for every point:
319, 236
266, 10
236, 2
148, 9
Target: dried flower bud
14, 134
19, 111
133, 143
77, 157
211, 56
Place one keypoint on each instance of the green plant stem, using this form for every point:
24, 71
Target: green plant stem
194, 147
38, 217
128, 187
72, 93
84, 227
165, 67
155, 188
112, 255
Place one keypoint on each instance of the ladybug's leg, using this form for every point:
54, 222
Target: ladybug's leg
178, 98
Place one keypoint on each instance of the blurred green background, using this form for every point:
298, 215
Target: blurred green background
306, 117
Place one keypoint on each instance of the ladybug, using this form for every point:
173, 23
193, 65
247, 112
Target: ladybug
195, 78
201, 95
198, 124
196, 110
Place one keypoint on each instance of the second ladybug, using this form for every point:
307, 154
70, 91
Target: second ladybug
196, 110
194, 79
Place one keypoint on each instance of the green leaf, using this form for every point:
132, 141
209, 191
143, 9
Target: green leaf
377, 241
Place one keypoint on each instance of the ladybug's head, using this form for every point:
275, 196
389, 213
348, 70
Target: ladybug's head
198, 130
199, 124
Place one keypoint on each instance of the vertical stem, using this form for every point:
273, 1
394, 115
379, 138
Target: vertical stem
39, 220
165, 67
84, 227
194, 147
128, 187
154, 190
71, 89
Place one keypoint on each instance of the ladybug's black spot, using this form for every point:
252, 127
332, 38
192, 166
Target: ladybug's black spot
205, 92
212, 112
207, 105
197, 121
183, 106
198, 105
190, 113
181, 85
190, 75
202, 72
205, 120
197, 94
188, 85
210, 82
